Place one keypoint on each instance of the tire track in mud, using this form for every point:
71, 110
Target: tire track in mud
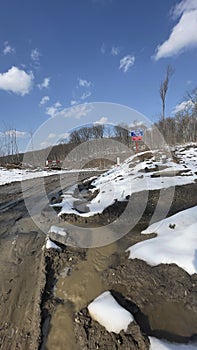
22, 262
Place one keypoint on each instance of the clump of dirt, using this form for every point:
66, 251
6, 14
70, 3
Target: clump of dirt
165, 296
91, 335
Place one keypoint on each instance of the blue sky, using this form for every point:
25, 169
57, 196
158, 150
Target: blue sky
58, 54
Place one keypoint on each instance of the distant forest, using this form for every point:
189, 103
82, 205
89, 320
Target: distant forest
179, 129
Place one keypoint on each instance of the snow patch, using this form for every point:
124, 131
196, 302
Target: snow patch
58, 230
52, 245
175, 242
132, 176
157, 344
106, 311
13, 175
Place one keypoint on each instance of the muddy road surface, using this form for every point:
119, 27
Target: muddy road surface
22, 261
44, 294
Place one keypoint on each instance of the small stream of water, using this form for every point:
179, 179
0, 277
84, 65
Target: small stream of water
77, 290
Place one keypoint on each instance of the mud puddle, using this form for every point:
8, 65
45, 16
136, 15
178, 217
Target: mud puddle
171, 320
76, 288
61, 335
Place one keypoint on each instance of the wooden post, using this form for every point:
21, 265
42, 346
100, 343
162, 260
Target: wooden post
136, 146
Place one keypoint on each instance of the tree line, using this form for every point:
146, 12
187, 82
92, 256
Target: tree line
182, 127
179, 129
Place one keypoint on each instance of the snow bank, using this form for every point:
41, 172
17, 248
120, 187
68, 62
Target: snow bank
12, 175
157, 344
52, 245
134, 176
105, 310
175, 242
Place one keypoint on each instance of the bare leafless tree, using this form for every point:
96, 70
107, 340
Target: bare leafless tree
75, 137
164, 88
191, 98
97, 131
121, 132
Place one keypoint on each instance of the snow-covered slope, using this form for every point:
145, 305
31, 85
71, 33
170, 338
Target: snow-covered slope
12, 175
176, 242
145, 171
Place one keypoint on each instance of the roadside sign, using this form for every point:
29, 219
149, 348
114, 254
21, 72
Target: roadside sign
137, 135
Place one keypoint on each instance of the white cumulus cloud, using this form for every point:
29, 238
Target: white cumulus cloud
184, 34
185, 5
35, 55
185, 105
103, 48
73, 102
102, 120
58, 104
44, 100
45, 83
85, 95
76, 112
17, 81
115, 51
8, 48
58, 136
54, 110
127, 62
52, 135
84, 83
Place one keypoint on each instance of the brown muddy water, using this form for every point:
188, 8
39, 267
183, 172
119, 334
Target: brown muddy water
77, 288
79, 285
171, 318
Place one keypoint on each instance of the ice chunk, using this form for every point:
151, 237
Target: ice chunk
105, 310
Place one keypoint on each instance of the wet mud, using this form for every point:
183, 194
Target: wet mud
44, 293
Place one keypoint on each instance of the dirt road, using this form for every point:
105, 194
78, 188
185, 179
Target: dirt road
27, 275
22, 265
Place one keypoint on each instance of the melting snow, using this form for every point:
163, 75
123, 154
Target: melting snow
58, 230
157, 344
105, 310
133, 176
52, 245
176, 242
12, 175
